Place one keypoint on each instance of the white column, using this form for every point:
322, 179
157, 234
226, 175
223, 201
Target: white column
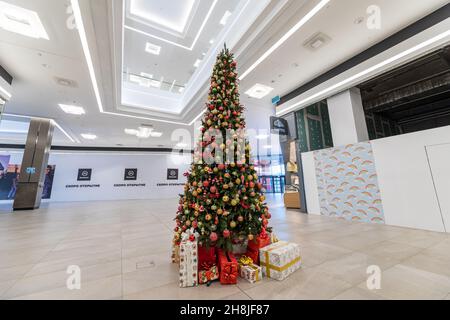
348, 123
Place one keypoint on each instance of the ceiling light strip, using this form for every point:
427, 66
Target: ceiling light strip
87, 53
174, 43
54, 122
367, 71
5, 93
204, 23
286, 36
144, 118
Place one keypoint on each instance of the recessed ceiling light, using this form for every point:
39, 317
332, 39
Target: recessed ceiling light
144, 132
225, 18
72, 109
197, 63
262, 136
156, 134
152, 48
22, 21
259, 91
211, 41
181, 145
181, 90
89, 136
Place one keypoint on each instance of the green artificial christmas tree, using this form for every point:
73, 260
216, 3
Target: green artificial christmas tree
223, 200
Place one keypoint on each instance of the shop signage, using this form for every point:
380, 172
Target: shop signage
84, 174
130, 174
172, 174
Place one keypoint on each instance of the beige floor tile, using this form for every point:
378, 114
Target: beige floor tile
318, 253
44, 282
356, 293
14, 273
308, 284
429, 263
5, 286
126, 253
391, 251
173, 291
404, 282
14, 257
149, 278
103, 289
352, 268
420, 238
50, 266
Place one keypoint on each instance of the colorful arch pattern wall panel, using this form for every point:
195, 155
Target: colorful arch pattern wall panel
348, 184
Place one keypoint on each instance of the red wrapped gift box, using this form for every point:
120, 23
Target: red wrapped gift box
229, 268
253, 247
207, 273
206, 255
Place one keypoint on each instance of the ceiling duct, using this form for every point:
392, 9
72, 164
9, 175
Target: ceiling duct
316, 41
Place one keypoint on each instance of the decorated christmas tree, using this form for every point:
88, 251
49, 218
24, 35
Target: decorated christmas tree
223, 200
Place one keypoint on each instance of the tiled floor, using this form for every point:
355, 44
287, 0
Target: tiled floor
123, 250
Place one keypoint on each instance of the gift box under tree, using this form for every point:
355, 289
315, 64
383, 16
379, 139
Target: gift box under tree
207, 273
248, 270
228, 267
255, 245
188, 260
280, 259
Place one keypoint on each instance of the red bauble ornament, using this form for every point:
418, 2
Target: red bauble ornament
213, 237
226, 233
221, 166
213, 189
206, 184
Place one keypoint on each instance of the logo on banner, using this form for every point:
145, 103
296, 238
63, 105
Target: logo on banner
172, 174
130, 174
84, 174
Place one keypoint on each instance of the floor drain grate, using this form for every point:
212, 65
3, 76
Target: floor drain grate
145, 265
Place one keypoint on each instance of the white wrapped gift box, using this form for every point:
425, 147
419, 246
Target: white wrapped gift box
280, 259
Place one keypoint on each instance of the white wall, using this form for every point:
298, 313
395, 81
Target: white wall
309, 175
347, 119
108, 170
405, 177
438, 156
406, 184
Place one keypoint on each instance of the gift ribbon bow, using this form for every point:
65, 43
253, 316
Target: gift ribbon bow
206, 265
245, 261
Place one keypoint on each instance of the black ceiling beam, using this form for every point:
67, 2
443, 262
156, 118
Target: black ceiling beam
5, 75
404, 34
